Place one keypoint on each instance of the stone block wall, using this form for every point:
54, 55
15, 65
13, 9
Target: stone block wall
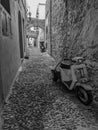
75, 29
82, 35
58, 9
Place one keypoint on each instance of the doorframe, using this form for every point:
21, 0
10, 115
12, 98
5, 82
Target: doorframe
2, 99
20, 35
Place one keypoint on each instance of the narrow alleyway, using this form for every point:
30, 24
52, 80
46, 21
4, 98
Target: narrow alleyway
37, 103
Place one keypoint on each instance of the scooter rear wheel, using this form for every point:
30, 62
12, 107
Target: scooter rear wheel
85, 96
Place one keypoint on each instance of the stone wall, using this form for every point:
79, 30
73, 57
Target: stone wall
58, 9
82, 35
75, 29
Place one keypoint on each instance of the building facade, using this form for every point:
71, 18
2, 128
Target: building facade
74, 30
12, 42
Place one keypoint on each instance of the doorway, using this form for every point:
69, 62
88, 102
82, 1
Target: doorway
20, 35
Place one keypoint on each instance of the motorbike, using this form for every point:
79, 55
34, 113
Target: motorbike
73, 74
42, 47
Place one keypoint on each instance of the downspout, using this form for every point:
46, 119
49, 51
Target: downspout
51, 27
65, 48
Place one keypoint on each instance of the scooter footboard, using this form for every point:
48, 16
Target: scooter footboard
68, 83
66, 74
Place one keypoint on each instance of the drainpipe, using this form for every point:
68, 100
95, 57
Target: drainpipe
51, 27
65, 48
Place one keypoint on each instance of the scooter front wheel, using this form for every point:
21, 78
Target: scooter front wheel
55, 75
85, 96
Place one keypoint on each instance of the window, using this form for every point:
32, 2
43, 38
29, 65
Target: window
6, 5
4, 23
6, 18
10, 27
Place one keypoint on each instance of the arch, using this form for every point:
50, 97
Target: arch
35, 25
34, 22
20, 35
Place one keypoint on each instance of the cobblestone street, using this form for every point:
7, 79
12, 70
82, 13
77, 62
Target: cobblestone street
37, 103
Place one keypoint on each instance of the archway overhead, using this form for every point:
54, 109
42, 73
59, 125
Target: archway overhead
34, 22
32, 34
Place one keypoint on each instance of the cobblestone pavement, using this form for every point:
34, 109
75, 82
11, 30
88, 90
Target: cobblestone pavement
37, 103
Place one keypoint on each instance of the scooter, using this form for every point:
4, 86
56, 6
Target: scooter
42, 49
73, 74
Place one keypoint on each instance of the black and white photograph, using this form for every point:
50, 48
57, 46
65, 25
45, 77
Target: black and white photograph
48, 64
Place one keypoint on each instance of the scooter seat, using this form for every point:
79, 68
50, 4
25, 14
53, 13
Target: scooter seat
65, 66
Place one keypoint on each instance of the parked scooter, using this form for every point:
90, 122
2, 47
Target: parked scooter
73, 74
42, 47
